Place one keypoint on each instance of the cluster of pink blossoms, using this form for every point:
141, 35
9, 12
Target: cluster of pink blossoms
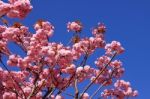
48, 69
122, 89
74, 26
15, 8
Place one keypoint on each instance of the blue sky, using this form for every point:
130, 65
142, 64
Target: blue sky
127, 21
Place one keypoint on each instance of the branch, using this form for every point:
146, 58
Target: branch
76, 89
51, 92
83, 63
68, 94
91, 83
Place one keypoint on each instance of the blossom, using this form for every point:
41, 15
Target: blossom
114, 46
116, 64
59, 97
19, 9
9, 95
122, 89
75, 26
85, 96
102, 61
99, 30
4, 8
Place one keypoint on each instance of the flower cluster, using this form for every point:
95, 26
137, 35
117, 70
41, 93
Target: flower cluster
99, 30
47, 69
15, 8
122, 89
75, 26
114, 46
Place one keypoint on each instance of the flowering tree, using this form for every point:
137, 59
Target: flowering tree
50, 68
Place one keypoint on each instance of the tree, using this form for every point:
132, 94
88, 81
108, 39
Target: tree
50, 68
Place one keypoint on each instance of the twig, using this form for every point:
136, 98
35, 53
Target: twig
83, 63
76, 89
51, 92
68, 94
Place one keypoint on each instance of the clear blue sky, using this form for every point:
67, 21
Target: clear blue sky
127, 21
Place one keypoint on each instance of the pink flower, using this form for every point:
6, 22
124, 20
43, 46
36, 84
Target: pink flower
71, 69
19, 9
114, 46
27, 90
75, 26
45, 27
4, 8
121, 90
39, 95
85, 96
99, 30
79, 70
135, 93
102, 61
59, 97
9, 95
86, 68
13, 60
116, 64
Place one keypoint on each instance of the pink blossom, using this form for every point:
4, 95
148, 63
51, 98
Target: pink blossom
121, 90
44, 27
99, 30
27, 90
4, 8
9, 95
116, 64
70, 69
114, 46
85, 96
135, 93
59, 97
79, 70
75, 26
86, 68
102, 61
20, 8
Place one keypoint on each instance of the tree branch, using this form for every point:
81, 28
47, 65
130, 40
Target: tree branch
76, 89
